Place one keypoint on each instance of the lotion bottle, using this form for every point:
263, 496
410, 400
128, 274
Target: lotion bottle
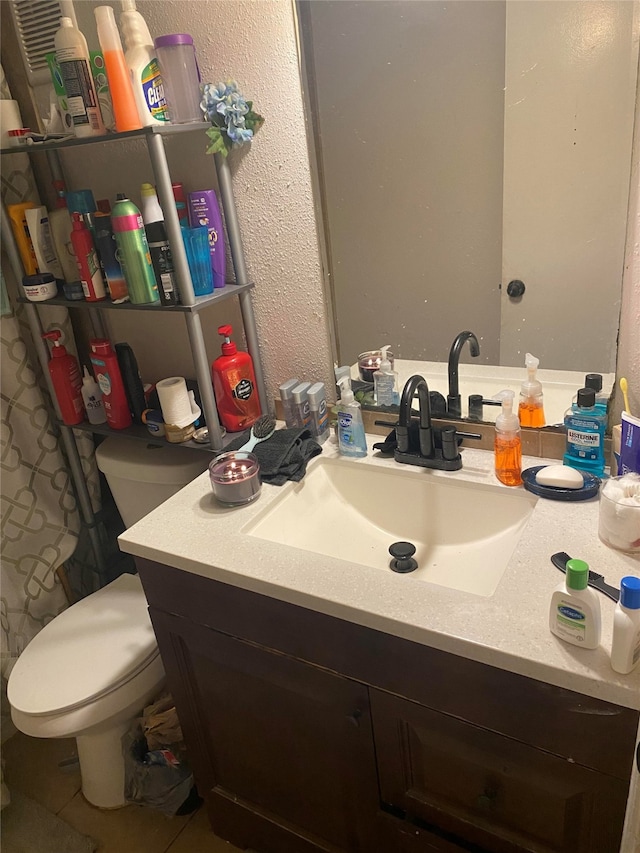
351, 438
72, 54
508, 443
574, 615
531, 408
625, 646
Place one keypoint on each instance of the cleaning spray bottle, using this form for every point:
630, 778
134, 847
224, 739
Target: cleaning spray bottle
64, 371
508, 444
234, 385
531, 410
141, 59
351, 438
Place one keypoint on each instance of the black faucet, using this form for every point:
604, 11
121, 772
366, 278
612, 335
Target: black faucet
454, 403
415, 385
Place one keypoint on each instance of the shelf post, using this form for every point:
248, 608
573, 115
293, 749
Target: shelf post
225, 186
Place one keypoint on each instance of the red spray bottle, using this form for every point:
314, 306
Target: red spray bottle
66, 379
109, 378
234, 384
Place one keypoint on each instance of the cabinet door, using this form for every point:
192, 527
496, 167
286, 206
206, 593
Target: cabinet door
489, 789
283, 740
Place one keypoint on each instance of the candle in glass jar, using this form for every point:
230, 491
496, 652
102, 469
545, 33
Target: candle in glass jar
235, 478
369, 362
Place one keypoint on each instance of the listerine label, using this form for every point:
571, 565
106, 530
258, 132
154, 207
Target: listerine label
153, 89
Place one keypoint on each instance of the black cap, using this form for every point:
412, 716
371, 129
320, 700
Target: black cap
593, 380
586, 398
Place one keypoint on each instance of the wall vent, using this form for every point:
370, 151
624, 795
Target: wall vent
36, 24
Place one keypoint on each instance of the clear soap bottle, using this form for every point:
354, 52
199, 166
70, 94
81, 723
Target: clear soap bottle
385, 383
531, 408
508, 443
351, 438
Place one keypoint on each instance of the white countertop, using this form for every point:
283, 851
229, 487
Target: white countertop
509, 630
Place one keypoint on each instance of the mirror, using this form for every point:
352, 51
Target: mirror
461, 146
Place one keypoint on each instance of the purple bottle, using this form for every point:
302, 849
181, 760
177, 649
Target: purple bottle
204, 210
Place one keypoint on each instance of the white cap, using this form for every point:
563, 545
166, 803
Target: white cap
346, 394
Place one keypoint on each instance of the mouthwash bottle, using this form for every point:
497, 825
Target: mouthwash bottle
531, 409
585, 425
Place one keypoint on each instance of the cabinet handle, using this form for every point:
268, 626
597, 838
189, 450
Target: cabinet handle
354, 718
487, 799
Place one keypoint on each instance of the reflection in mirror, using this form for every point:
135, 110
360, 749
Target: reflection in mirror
462, 146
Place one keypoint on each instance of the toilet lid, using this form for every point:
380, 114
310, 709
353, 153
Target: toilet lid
86, 652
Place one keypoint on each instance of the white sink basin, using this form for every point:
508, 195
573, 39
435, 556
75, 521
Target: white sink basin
464, 532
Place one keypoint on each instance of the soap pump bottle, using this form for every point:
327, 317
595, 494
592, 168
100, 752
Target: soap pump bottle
64, 371
385, 382
351, 438
508, 443
234, 385
531, 409
574, 615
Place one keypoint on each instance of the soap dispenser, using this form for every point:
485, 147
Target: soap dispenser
385, 383
531, 409
351, 437
508, 444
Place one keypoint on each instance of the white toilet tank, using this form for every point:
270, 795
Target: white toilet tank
142, 476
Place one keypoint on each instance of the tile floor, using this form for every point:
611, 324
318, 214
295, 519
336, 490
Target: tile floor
31, 766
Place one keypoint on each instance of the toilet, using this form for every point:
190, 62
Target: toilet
89, 672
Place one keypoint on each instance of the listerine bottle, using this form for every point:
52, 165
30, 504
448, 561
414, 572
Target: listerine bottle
585, 426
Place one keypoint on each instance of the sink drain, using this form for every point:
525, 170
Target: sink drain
402, 553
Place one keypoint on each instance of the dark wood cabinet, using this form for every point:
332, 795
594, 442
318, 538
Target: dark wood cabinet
308, 733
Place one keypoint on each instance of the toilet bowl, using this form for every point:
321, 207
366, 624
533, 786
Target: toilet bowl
90, 671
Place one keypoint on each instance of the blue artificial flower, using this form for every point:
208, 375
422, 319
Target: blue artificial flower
239, 135
214, 98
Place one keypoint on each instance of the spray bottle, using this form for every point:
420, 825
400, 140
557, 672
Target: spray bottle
508, 444
64, 371
133, 252
141, 59
531, 410
351, 438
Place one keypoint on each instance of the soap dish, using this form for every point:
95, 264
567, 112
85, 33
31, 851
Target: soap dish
589, 490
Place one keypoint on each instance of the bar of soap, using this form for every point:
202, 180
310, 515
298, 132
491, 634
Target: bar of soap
560, 477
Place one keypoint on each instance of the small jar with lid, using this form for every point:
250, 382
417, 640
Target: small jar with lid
39, 287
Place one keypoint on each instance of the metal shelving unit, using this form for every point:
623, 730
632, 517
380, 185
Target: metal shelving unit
190, 307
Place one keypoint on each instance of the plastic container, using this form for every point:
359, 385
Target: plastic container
619, 516
351, 437
72, 54
300, 405
625, 645
531, 408
180, 76
234, 385
87, 260
18, 219
142, 62
151, 210
181, 203
574, 614
204, 210
125, 108
508, 443
585, 426
64, 371
133, 252
61, 227
319, 424
385, 383
196, 244
92, 399
39, 287
109, 378
42, 241
286, 398
235, 478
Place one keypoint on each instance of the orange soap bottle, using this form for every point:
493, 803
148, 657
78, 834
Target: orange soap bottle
508, 444
531, 409
120, 86
234, 384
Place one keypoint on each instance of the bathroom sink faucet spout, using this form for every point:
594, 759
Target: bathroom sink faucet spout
454, 403
416, 385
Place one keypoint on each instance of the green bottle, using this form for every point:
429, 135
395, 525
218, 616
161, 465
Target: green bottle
133, 252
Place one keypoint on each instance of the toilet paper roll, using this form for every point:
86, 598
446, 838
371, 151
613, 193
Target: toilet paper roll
10, 119
178, 405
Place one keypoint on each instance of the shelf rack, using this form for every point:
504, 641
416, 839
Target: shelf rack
190, 307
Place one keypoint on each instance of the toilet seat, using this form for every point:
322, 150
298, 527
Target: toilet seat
87, 652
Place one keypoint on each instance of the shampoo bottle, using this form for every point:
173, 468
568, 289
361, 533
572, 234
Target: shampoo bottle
507, 443
351, 438
64, 371
234, 384
574, 615
125, 109
625, 646
109, 378
92, 398
87, 260
140, 56
585, 427
531, 409
72, 54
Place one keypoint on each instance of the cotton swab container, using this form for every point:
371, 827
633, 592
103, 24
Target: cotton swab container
619, 519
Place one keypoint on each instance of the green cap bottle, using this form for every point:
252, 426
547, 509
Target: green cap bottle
577, 574
133, 252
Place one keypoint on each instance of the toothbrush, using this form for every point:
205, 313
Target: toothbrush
624, 389
262, 429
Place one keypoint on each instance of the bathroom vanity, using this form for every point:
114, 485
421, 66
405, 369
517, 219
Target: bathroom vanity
330, 705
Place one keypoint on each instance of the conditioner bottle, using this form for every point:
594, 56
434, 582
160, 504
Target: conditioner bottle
508, 444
